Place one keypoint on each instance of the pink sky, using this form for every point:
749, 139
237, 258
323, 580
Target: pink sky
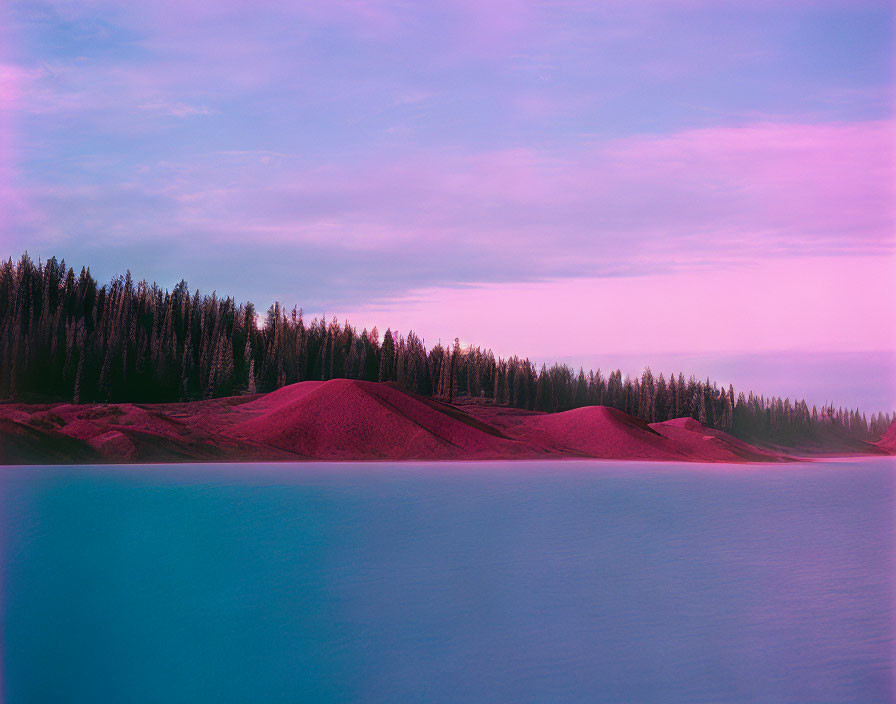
548, 179
817, 304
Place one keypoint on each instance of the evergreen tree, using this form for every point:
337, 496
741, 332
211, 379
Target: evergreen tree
387, 358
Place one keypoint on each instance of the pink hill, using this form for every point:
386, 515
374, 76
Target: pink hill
22, 443
888, 440
345, 419
121, 433
699, 442
351, 420
598, 431
276, 399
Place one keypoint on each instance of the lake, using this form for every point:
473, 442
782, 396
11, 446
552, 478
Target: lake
452, 582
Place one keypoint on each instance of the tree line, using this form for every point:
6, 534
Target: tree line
64, 337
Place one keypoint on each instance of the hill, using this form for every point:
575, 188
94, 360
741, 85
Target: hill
352, 420
888, 440
710, 445
348, 419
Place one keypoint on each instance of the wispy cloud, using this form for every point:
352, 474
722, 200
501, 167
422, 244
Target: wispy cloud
175, 109
787, 303
371, 147
678, 202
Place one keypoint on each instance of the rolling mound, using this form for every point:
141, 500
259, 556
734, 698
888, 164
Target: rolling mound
888, 440
344, 419
24, 444
708, 444
351, 420
287, 394
598, 431
96, 433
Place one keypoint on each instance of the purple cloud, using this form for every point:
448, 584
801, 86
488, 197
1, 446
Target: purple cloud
364, 149
785, 185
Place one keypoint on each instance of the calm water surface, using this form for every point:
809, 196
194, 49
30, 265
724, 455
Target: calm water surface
487, 582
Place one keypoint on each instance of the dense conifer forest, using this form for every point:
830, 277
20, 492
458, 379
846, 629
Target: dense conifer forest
64, 337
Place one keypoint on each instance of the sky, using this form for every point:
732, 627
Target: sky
704, 183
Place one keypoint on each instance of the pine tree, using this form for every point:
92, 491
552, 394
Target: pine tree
252, 389
387, 358
542, 392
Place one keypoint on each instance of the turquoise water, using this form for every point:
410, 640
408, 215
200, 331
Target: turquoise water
486, 582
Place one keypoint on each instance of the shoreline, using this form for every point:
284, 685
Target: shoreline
272, 464
364, 422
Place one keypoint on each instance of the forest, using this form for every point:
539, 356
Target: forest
65, 337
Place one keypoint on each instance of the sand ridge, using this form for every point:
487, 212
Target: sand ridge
350, 420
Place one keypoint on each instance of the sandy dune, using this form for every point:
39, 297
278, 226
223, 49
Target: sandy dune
888, 441
346, 420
